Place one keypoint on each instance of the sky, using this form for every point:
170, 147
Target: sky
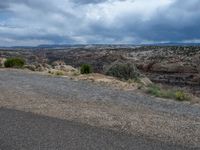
38, 22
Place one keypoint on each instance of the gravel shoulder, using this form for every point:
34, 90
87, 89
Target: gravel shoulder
101, 106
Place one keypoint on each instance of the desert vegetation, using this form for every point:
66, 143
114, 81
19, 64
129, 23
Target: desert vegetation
56, 73
86, 69
158, 91
14, 63
124, 71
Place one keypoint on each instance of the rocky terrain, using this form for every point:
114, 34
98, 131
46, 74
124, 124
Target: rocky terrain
169, 65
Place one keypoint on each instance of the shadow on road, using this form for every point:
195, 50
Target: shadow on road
20, 130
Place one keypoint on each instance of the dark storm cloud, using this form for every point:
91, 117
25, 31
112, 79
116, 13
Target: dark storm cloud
177, 23
88, 1
98, 21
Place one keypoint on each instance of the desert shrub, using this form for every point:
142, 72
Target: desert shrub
59, 73
159, 92
86, 69
154, 90
56, 72
14, 63
181, 96
169, 94
166, 93
76, 73
124, 71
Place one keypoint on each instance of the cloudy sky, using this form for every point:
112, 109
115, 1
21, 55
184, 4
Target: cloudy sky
35, 22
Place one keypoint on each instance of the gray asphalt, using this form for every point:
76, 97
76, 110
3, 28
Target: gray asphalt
27, 131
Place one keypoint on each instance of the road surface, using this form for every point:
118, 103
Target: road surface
26, 131
43, 112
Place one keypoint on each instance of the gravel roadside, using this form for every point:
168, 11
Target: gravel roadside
102, 106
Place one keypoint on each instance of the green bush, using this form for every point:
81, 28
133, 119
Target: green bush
56, 73
14, 63
154, 90
181, 96
59, 73
86, 69
124, 71
167, 93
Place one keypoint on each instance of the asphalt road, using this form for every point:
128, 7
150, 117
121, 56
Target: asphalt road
153, 123
27, 131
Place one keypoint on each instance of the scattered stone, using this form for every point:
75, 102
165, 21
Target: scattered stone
30, 67
58, 63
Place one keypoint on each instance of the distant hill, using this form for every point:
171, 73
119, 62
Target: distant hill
57, 46
175, 44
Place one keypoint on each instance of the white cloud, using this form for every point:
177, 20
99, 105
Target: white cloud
103, 21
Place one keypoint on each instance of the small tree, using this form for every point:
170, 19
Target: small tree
14, 63
86, 69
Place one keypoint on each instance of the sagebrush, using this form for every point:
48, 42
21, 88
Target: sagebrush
86, 69
14, 63
124, 71
167, 93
